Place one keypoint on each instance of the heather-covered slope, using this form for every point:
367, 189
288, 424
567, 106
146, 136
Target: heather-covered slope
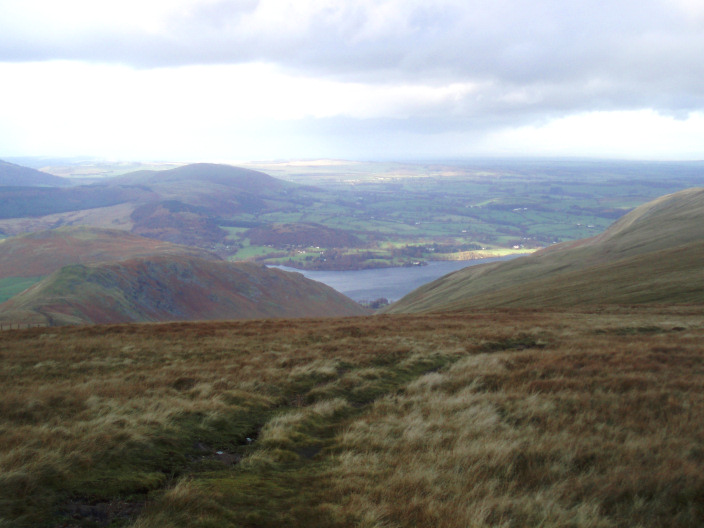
653, 254
42, 253
169, 288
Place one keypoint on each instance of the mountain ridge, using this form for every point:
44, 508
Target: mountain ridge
173, 288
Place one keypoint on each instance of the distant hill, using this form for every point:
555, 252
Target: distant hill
167, 288
185, 205
222, 189
23, 202
177, 222
218, 188
12, 175
205, 173
652, 254
188, 202
44, 252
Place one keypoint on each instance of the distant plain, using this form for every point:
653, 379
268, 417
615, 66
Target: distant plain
352, 215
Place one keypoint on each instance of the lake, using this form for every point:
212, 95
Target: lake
391, 283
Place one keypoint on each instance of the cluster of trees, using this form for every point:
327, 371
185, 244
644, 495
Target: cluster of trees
376, 303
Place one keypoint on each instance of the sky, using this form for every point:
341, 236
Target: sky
210, 80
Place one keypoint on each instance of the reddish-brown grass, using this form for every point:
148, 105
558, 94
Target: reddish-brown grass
503, 418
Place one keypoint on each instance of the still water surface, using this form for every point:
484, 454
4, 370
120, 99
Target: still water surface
392, 283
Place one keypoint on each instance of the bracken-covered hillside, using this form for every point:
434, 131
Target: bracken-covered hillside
173, 288
44, 252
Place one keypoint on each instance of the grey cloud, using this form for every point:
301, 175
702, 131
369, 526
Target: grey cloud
511, 39
562, 56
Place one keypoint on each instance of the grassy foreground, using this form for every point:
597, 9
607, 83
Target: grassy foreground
584, 418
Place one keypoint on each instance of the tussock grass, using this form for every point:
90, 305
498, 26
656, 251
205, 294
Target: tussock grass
582, 418
603, 434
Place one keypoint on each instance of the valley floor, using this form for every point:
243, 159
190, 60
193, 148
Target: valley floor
583, 418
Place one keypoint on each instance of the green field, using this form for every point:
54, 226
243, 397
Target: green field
456, 208
11, 286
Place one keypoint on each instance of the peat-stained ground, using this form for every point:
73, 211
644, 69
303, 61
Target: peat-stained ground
580, 418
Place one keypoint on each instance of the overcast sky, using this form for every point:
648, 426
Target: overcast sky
215, 80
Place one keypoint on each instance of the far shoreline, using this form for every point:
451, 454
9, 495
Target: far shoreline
390, 283
329, 267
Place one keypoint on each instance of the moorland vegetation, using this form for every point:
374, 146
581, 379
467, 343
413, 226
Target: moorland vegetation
522, 417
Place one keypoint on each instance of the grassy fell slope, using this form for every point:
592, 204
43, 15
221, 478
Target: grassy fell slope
171, 288
652, 254
504, 418
42, 253
663, 223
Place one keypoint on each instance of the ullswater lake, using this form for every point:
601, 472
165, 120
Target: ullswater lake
391, 283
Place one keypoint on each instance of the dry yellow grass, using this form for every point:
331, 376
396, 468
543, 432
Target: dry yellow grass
605, 434
504, 418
